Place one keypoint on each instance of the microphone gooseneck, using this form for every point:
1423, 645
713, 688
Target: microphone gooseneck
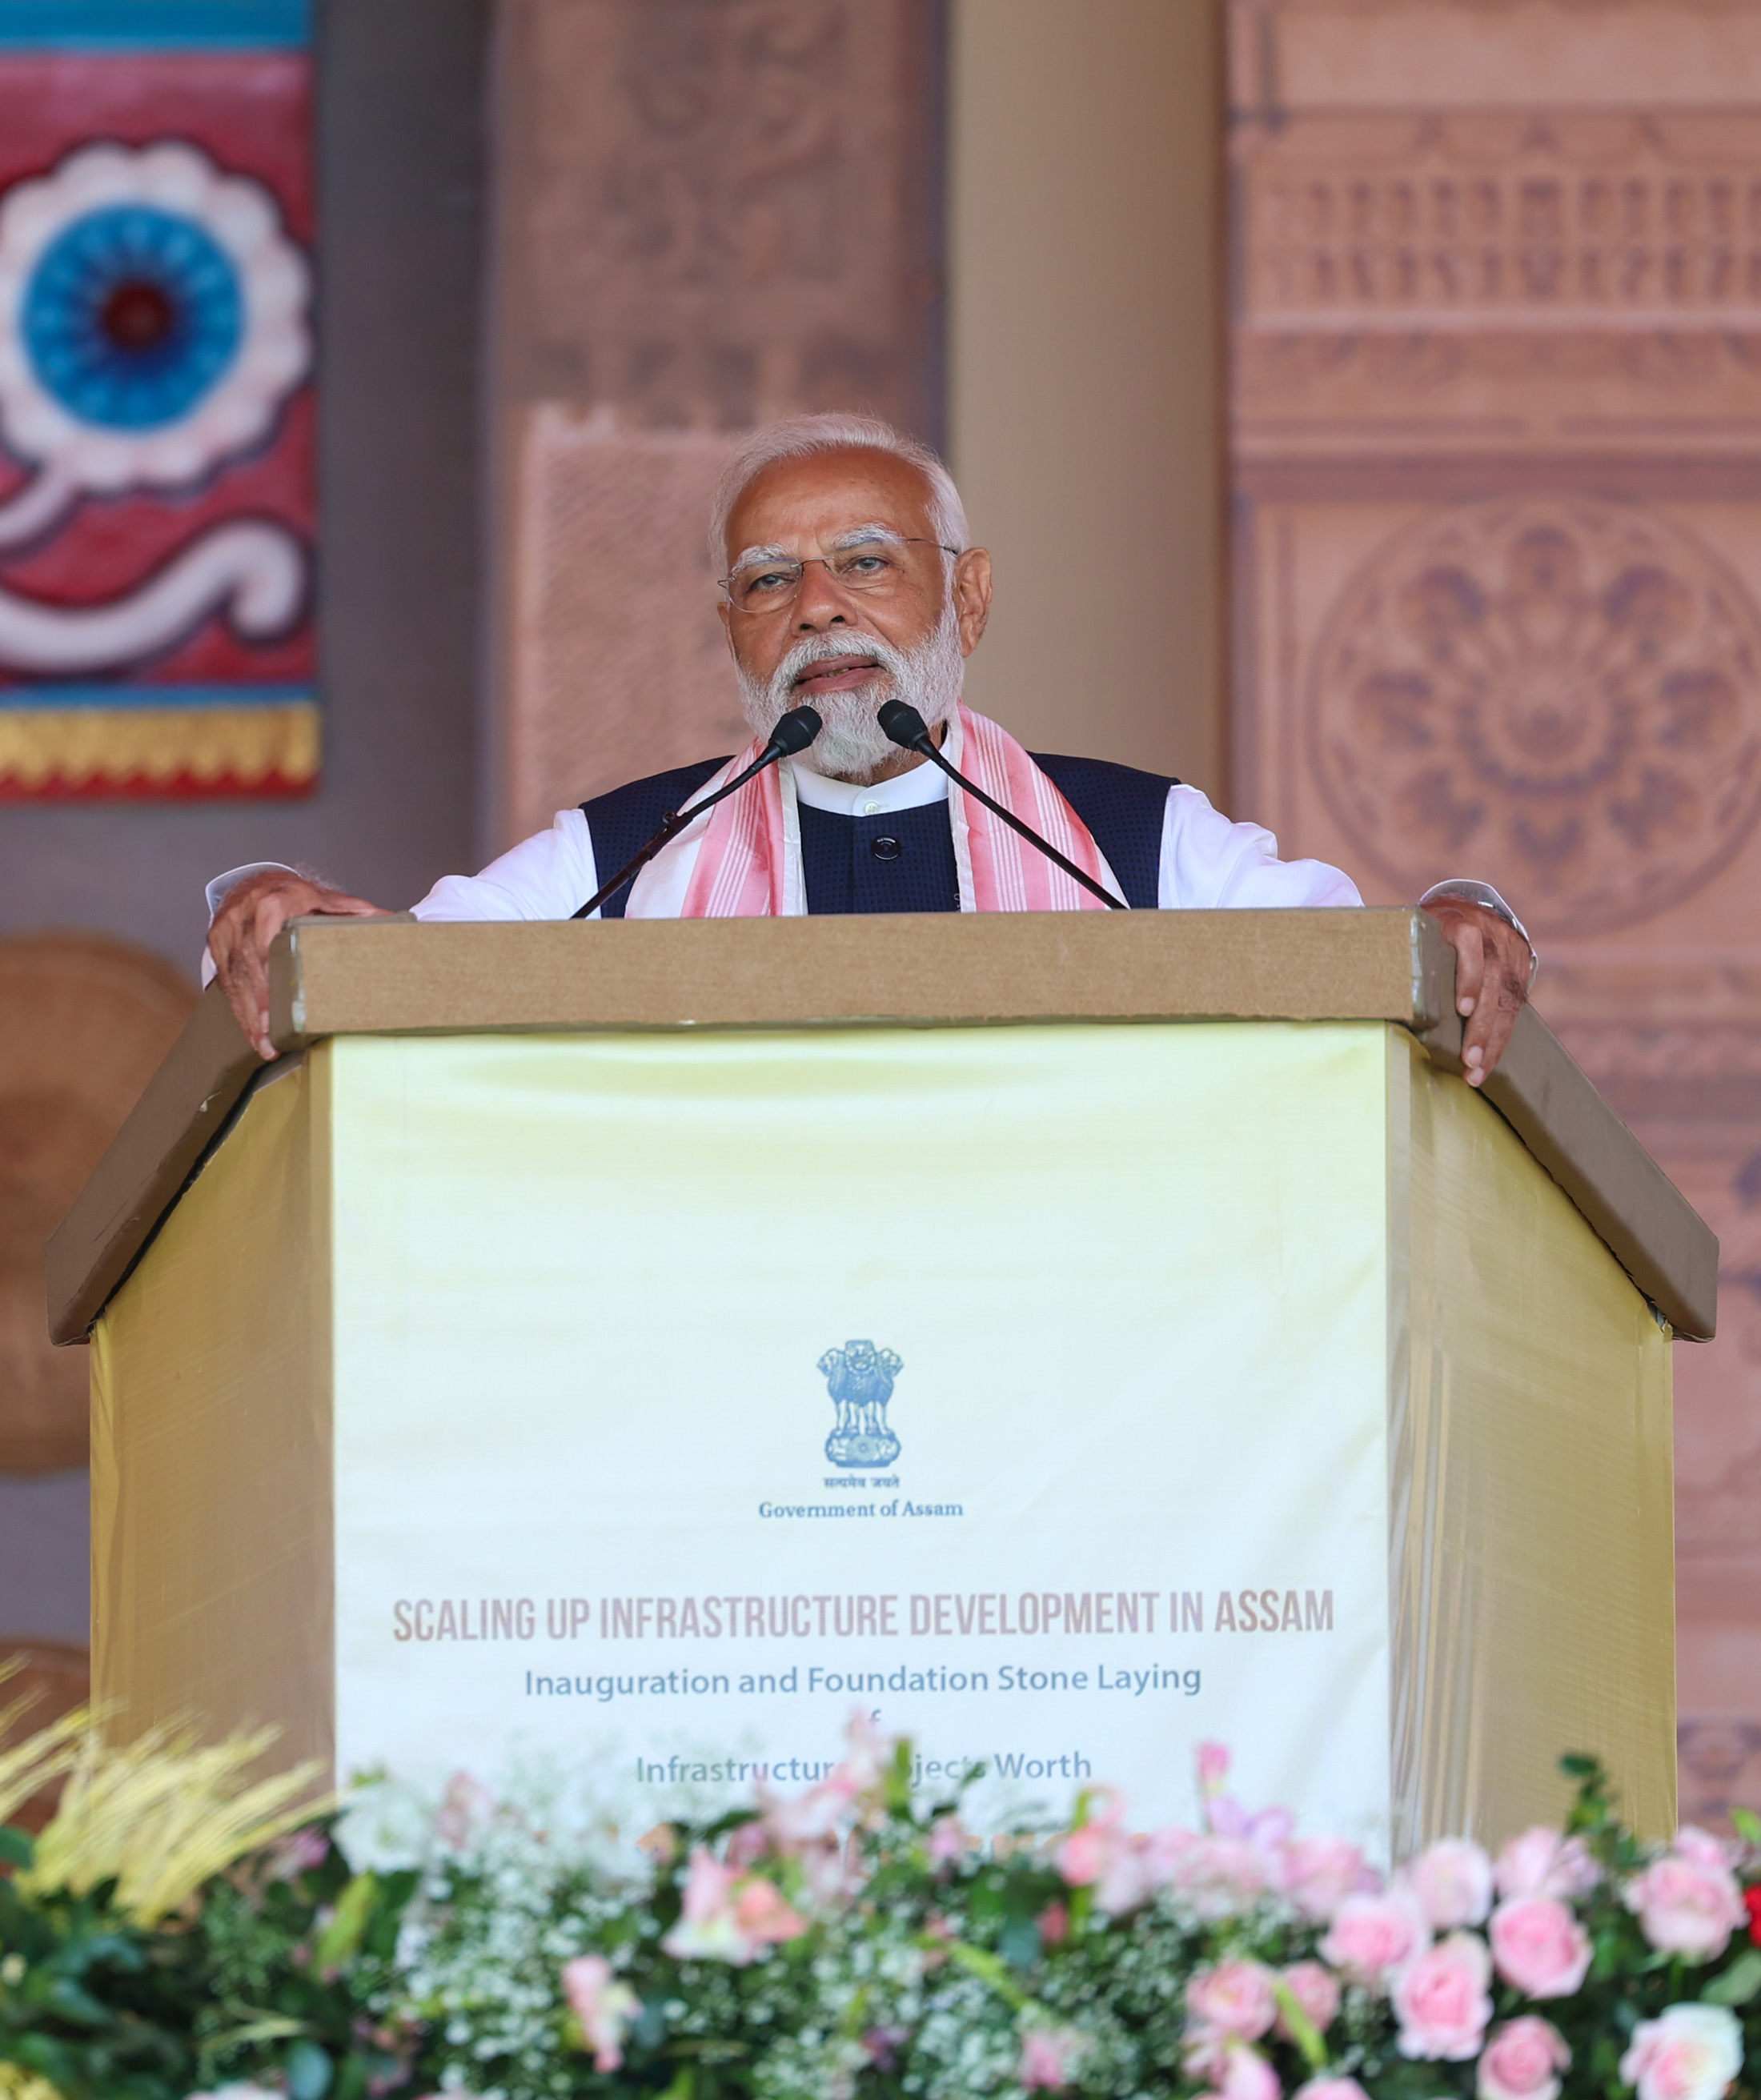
904, 726
791, 735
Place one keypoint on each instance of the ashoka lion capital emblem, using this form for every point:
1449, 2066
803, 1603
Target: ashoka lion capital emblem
861, 1379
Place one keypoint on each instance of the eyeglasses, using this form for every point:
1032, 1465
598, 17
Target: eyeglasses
870, 568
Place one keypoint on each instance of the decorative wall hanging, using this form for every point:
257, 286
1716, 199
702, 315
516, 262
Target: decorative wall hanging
157, 423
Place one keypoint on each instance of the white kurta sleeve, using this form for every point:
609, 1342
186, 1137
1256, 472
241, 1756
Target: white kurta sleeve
550, 875
1208, 863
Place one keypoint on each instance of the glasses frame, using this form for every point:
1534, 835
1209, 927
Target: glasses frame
803, 563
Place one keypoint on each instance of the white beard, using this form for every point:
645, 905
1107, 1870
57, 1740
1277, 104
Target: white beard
853, 746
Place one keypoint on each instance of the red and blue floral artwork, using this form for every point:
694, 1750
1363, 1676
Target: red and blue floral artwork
156, 410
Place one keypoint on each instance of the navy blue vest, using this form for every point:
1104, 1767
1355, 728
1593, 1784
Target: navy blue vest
904, 860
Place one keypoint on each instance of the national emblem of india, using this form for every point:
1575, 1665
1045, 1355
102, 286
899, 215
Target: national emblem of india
861, 1379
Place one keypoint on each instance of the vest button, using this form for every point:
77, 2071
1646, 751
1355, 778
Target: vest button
885, 848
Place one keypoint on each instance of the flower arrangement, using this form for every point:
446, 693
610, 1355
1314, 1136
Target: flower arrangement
853, 1943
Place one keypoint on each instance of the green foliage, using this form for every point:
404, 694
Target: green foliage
105, 2008
912, 1964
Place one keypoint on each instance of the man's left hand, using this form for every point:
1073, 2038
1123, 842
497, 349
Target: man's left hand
1493, 969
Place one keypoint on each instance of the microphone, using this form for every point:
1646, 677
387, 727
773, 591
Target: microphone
793, 733
907, 728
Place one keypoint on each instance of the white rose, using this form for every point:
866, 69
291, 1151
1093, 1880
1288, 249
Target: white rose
384, 1828
1690, 2053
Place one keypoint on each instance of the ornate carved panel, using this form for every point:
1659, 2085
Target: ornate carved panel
1566, 691
1497, 367
714, 212
1493, 280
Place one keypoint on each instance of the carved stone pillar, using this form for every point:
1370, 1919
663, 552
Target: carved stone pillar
711, 213
1497, 364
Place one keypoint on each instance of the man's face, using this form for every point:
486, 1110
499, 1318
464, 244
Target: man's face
831, 640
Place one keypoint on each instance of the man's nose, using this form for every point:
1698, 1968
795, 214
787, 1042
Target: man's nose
820, 603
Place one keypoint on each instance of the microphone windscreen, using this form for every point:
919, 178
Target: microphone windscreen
902, 723
796, 731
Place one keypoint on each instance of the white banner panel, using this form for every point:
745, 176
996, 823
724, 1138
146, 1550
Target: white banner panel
1025, 1387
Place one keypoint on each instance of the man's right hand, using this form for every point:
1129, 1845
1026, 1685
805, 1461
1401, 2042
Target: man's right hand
251, 913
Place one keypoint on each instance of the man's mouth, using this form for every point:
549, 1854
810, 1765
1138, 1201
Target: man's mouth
835, 674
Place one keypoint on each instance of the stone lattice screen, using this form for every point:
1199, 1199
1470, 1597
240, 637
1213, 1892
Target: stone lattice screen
1496, 451
713, 212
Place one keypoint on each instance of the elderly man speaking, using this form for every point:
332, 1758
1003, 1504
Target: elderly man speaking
850, 582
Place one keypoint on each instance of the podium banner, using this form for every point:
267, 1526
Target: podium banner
1025, 1387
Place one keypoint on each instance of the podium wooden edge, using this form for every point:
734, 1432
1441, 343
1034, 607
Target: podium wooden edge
332, 977
1639, 1215
336, 977
182, 1111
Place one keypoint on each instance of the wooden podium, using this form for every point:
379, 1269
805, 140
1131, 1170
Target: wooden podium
1072, 1337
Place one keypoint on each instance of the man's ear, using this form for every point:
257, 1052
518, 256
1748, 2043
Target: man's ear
726, 613
972, 596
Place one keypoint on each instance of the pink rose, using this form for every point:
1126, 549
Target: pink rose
1248, 2076
1102, 1855
1523, 2061
1539, 1946
1372, 1936
1453, 1881
1541, 1862
604, 2007
1318, 1873
1442, 2000
1690, 2053
1693, 1843
1316, 1992
1049, 2057
1240, 2073
1331, 2088
1687, 1903
1234, 1998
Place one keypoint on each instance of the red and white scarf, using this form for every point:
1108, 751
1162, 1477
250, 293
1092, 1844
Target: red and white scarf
743, 860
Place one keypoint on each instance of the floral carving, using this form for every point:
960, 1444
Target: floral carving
1564, 694
727, 208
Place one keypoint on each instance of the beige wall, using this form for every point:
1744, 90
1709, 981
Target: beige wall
1084, 408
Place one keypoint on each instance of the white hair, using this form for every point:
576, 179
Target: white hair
806, 436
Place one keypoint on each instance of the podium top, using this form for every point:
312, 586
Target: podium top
342, 976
